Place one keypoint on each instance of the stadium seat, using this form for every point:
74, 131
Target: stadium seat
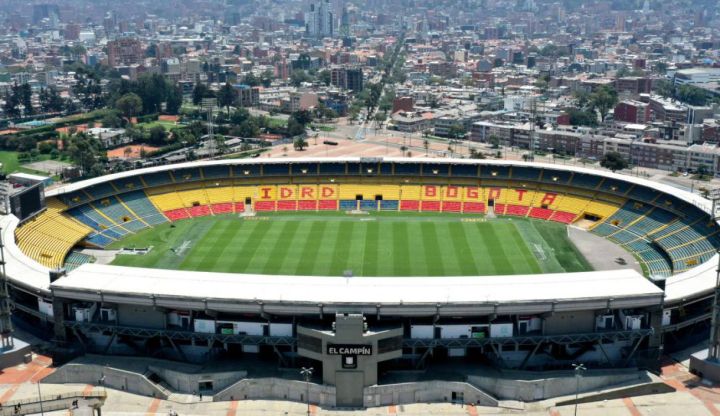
517, 210
451, 206
369, 205
474, 207
564, 217
239, 207
139, 203
287, 205
432, 206
307, 205
199, 211
409, 205
264, 206
348, 205
222, 208
541, 213
177, 214
328, 205
386, 205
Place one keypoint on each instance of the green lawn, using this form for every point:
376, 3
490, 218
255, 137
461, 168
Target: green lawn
11, 164
169, 125
374, 245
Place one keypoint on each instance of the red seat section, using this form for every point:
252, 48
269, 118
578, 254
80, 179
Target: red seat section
200, 211
239, 207
224, 208
430, 206
265, 206
177, 214
307, 205
409, 205
541, 213
328, 205
474, 207
517, 210
564, 217
287, 205
449, 206
500, 209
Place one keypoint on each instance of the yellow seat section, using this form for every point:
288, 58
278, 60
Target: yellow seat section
242, 192
601, 209
388, 192
350, 191
410, 192
193, 197
219, 194
48, 237
519, 196
571, 203
167, 201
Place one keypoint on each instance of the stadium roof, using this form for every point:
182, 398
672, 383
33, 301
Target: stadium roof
567, 291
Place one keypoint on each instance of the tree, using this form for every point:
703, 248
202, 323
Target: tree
324, 77
26, 99
613, 161
251, 80
129, 105
85, 151
226, 96
199, 92
174, 100
50, 100
300, 144
457, 131
603, 99
11, 104
426, 145
303, 117
298, 76
294, 127
157, 135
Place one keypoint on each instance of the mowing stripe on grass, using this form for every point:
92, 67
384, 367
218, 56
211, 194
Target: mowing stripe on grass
313, 240
461, 246
433, 255
370, 255
248, 244
214, 249
342, 249
497, 256
324, 256
278, 252
522, 248
400, 249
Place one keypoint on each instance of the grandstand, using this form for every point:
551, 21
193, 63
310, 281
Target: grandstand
536, 321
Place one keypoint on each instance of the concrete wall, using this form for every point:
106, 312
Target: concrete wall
425, 392
187, 383
510, 388
114, 378
143, 316
570, 322
278, 389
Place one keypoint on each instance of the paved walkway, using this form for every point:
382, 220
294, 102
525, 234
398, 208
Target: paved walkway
693, 397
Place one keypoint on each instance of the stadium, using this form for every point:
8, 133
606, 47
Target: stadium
363, 267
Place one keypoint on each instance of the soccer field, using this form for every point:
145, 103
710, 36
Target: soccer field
381, 244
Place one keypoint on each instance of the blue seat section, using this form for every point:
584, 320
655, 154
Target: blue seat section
332, 168
495, 172
523, 173
613, 186
157, 179
112, 233
671, 228
100, 190
434, 169
629, 212
215, 172
642, 193
74, 198
604, 229
465, 171
128, 184
245, 171
556, 176
304, 169
87, 215
99, 240
652, 221
114, 209
586, 181
348, 204
139, 203
76, 259
134, 225
386, 169
407, 169
389, 205
366, 205
186, 175
279, 169
623, 237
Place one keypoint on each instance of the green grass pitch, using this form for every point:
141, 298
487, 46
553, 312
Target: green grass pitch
380, 244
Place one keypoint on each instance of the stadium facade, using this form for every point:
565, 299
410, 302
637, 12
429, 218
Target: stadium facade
354, 329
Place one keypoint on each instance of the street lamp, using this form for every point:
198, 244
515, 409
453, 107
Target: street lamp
42, 412
578, 368
307, 373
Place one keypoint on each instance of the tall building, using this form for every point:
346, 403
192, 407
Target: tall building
319, 21
45, 11
347, 78
126, 51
